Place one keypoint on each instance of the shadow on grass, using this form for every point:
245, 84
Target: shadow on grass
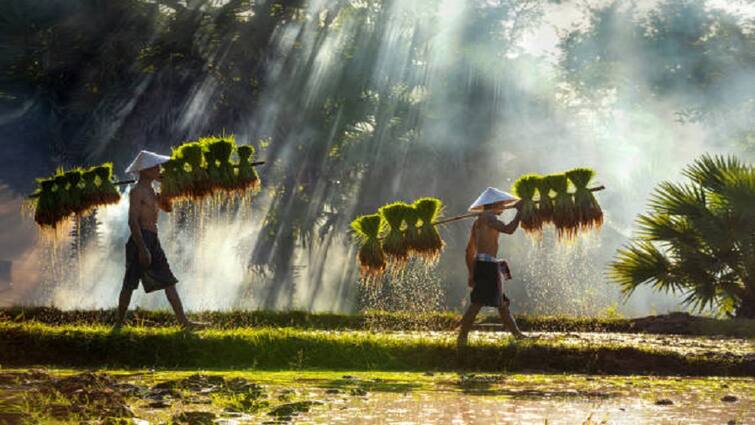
272, 348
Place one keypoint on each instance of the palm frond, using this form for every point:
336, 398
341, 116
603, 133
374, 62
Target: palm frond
737, 192
638, 264
679, 199
709, 171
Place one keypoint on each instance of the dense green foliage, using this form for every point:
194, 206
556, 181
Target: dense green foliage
698, 238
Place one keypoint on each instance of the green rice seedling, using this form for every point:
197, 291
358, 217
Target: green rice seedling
108, 192
200, 179
367, 229
430, 243
62, 200
524, 188
90, 190
221, 149
564, 211
545, 201
75, 192
180, 183
589, 213
247, 175
45, 206
169, 183
213, 172
394, 244
411, 232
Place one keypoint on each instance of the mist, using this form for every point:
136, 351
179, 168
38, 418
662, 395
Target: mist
364, 102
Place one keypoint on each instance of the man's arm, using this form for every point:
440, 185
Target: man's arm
135, 200
492, 220
514, 224
470, 257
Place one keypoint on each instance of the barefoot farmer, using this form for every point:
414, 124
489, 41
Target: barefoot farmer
487, 272
145, 259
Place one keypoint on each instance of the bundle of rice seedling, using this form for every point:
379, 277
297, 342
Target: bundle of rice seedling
44, 203
90, 191
367, 229
589, 213
544, 200
170, 186
75, 193
524, 188
62, 199
108, 193
411, 232
213, 172
178, 175
564, 211
198, 179
222, 170
429, 243
247, 176
394, 244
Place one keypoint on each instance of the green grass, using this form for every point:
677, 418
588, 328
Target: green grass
379, 320
30, 343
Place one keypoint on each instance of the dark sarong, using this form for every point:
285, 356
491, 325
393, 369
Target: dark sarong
488, 286
158, 276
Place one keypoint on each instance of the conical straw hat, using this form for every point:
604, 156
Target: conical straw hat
491, 195
145, 160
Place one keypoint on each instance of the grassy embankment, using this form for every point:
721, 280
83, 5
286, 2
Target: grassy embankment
33, 343
379, 320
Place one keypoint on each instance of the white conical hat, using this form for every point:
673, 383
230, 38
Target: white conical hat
144, 160
491, 195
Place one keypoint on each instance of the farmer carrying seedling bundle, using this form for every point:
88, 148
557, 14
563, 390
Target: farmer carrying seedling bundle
145, 259
486, 271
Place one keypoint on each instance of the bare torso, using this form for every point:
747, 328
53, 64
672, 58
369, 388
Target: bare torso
485, 236
146, 209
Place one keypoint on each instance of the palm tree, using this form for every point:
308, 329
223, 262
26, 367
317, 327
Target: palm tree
698, 239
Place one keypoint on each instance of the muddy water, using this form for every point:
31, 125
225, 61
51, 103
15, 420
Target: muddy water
329, 397
459, 408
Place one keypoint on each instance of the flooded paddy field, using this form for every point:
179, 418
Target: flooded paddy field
320, 397
298, 370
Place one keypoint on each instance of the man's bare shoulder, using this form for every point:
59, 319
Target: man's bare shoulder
139, 193
487, 217
136, 192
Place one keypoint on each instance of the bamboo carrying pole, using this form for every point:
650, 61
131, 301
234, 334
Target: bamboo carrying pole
125, 182
475, 214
